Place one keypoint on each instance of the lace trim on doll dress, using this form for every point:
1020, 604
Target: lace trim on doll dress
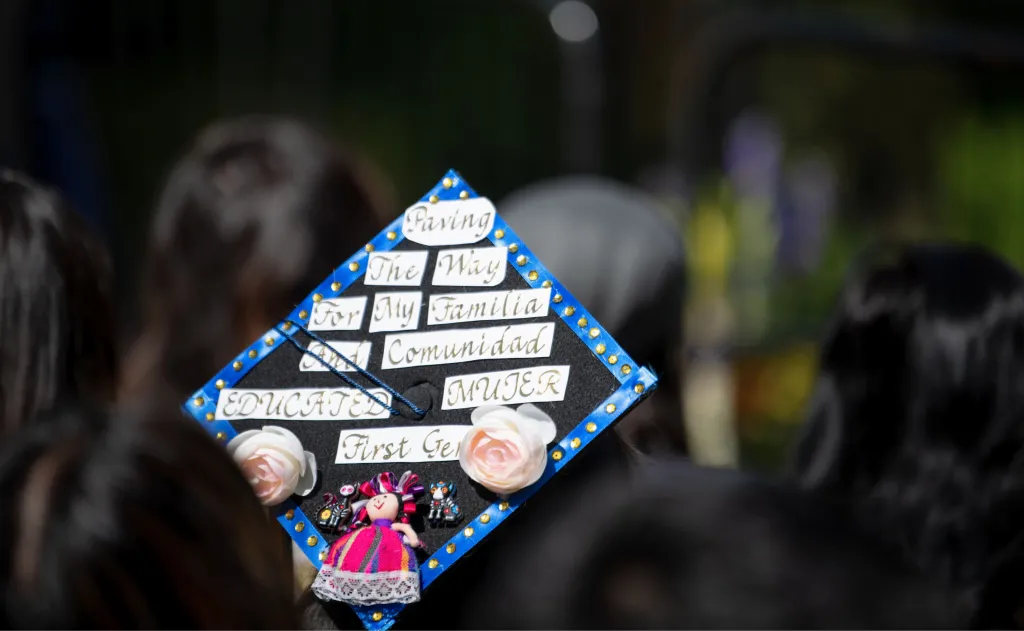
361, 588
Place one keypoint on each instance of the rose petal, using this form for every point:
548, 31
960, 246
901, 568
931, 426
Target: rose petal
547, 429
279, 495
294, 446
486, 410
506, 450
235, 442
268, 440
307, 480
281, 465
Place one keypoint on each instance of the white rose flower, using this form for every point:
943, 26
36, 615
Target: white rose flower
274, 463
506, 449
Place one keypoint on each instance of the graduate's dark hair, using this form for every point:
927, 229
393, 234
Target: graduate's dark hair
683, 547
56, 305
134, 523
252, 218
918, 415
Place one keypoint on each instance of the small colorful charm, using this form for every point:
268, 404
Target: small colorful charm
336, 512
443, 509
375, 563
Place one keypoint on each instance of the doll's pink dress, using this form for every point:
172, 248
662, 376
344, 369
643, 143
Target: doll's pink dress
369, 566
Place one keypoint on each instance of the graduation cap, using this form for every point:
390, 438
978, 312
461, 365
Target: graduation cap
420, 395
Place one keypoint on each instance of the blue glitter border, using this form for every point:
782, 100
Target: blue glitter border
634, 382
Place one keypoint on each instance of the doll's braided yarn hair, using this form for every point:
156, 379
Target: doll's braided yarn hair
407, 488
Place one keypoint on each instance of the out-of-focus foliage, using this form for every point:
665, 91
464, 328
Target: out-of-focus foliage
981, 184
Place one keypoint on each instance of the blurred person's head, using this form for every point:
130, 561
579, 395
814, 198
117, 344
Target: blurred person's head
617, 253
134, 523
251, 219
56, 313
918, 415
681, 547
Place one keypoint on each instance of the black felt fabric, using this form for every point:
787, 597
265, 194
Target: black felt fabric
590, 383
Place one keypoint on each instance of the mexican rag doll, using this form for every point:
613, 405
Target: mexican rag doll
375, 562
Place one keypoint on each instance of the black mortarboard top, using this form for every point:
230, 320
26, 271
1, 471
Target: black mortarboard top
444, 311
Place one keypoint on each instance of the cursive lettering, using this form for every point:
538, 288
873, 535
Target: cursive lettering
506, 387
400, 444
472, 267
396, 268
303, 404
338, 314
450, 222
514, 304
396, 311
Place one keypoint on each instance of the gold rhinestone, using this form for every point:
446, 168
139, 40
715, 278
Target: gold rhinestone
591, 428
303, 315
377, 616
556, 455
325, 514
568, 311
627, 369
532, 275
433, 199
335, 286
546, 284
290, 515
237, 365
317, 297
220, 384
638, 388
311, 541
582, 322
594, 332
287, 326
464, 195
609, 408
468, 532
521, 260
353, 266
599, 349
221, 435
575, 443
369, 247
450, 548
391, 236
323, 554
557, 299
485, 519
210, 416
503, 506
269, 341
499, 233
253, 354
446, 182
613, 359
198, 402
432, 564
513, 248
299, 527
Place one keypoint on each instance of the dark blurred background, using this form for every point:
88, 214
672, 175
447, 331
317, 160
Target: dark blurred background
782, 136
